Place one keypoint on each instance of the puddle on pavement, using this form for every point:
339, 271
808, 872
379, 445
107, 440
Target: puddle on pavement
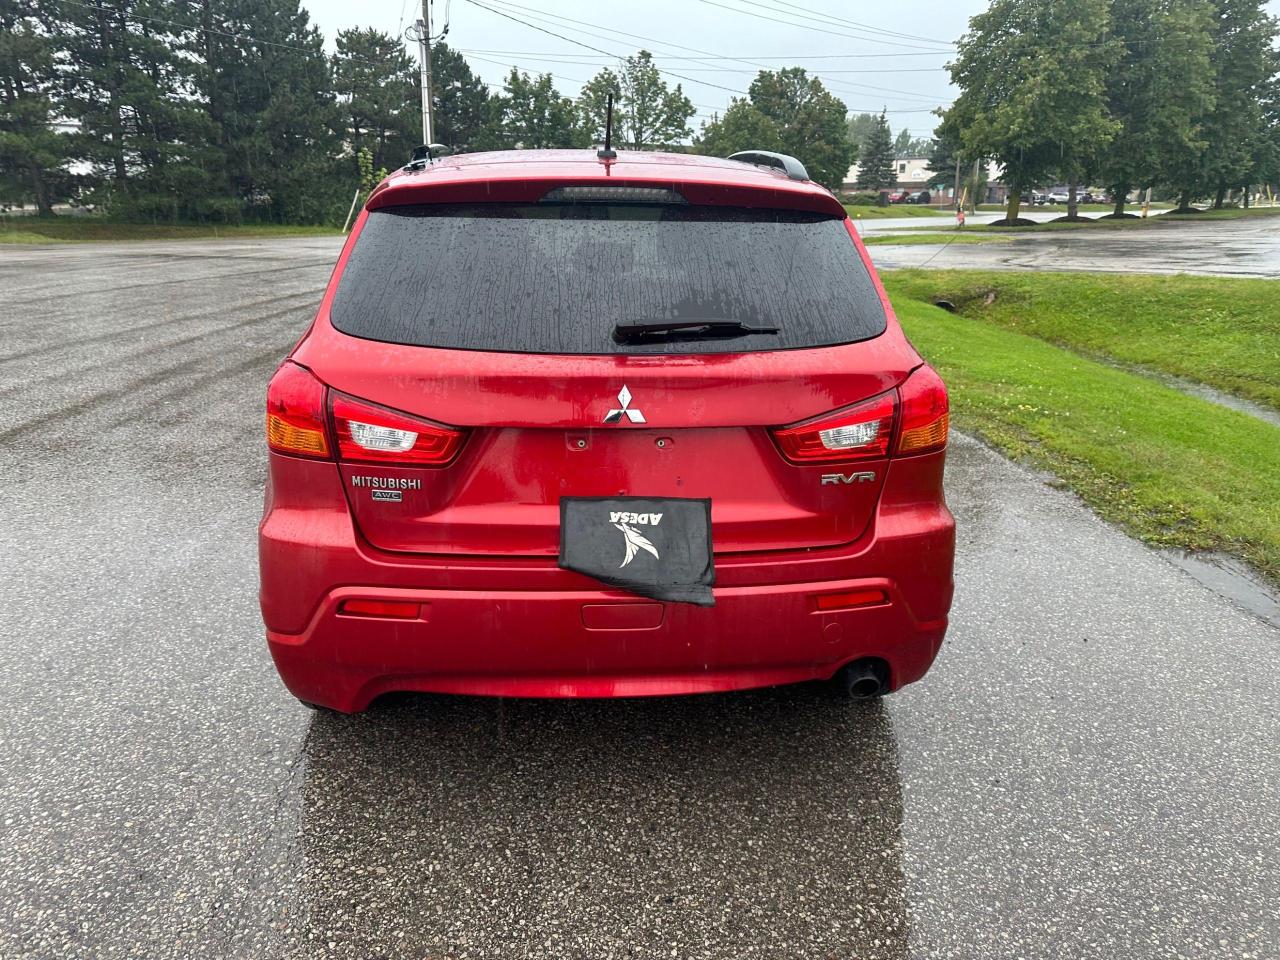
1232, 579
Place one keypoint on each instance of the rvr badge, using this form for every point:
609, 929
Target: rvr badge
866, 476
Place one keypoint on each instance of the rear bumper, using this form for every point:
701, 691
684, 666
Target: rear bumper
528, 628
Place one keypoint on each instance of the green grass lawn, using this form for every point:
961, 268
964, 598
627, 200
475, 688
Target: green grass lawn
1221, 332
954, 236
1173, 469
858, 212
90, 229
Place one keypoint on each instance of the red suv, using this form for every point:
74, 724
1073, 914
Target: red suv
573, 426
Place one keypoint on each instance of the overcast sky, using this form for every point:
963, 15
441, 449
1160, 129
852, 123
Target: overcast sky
866, 55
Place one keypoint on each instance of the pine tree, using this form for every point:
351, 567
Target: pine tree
459, 99
142, 128
876, 167
32, 154
376, 85
266, 82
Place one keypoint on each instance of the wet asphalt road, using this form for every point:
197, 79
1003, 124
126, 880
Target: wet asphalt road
1249, 247
1091, 769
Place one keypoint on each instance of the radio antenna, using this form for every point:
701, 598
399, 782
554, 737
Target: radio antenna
608, 153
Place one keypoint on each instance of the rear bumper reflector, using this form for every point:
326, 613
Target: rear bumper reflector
385, 609
854, 598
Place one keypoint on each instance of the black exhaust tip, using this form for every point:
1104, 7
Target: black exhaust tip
862, 680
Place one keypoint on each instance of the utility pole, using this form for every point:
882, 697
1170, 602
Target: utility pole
424, 54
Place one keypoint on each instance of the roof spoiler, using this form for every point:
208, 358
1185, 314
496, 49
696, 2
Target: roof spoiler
424, 154
792, 167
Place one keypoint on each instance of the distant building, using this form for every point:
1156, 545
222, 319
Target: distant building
914, 174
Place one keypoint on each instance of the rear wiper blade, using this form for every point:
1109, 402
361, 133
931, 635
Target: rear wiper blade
629, 331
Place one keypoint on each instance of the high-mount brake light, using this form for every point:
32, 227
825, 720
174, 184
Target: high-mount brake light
860, 432
369, 433
295, 412
610, 194
925, 413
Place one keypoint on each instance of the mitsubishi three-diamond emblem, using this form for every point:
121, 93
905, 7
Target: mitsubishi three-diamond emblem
624, 398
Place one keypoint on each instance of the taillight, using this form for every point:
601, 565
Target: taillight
373, 434
859, 432
295, 412
925, 413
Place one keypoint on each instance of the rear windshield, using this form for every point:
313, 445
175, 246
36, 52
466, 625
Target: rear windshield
557, 278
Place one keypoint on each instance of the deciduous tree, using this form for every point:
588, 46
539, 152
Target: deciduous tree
859, 126
532, 114
743, 127
1032, 76
647, 113
1157, 92
810, 121
1245, 63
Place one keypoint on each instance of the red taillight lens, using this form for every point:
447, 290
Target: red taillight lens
925, 413
373, 434
859, 432
295, 412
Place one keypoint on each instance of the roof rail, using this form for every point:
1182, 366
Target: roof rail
792, 167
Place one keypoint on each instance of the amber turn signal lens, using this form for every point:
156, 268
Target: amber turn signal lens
929, 437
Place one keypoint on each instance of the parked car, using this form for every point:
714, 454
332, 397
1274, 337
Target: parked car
570, 426
900, 196
1056, 196
920, 196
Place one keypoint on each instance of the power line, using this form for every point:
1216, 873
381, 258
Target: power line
558, 36
805, 26
741, 57
585, 63
562, 22
570, 58
553, 18
865, 26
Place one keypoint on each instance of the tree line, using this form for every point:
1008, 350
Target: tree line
231, 110
1177, 95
